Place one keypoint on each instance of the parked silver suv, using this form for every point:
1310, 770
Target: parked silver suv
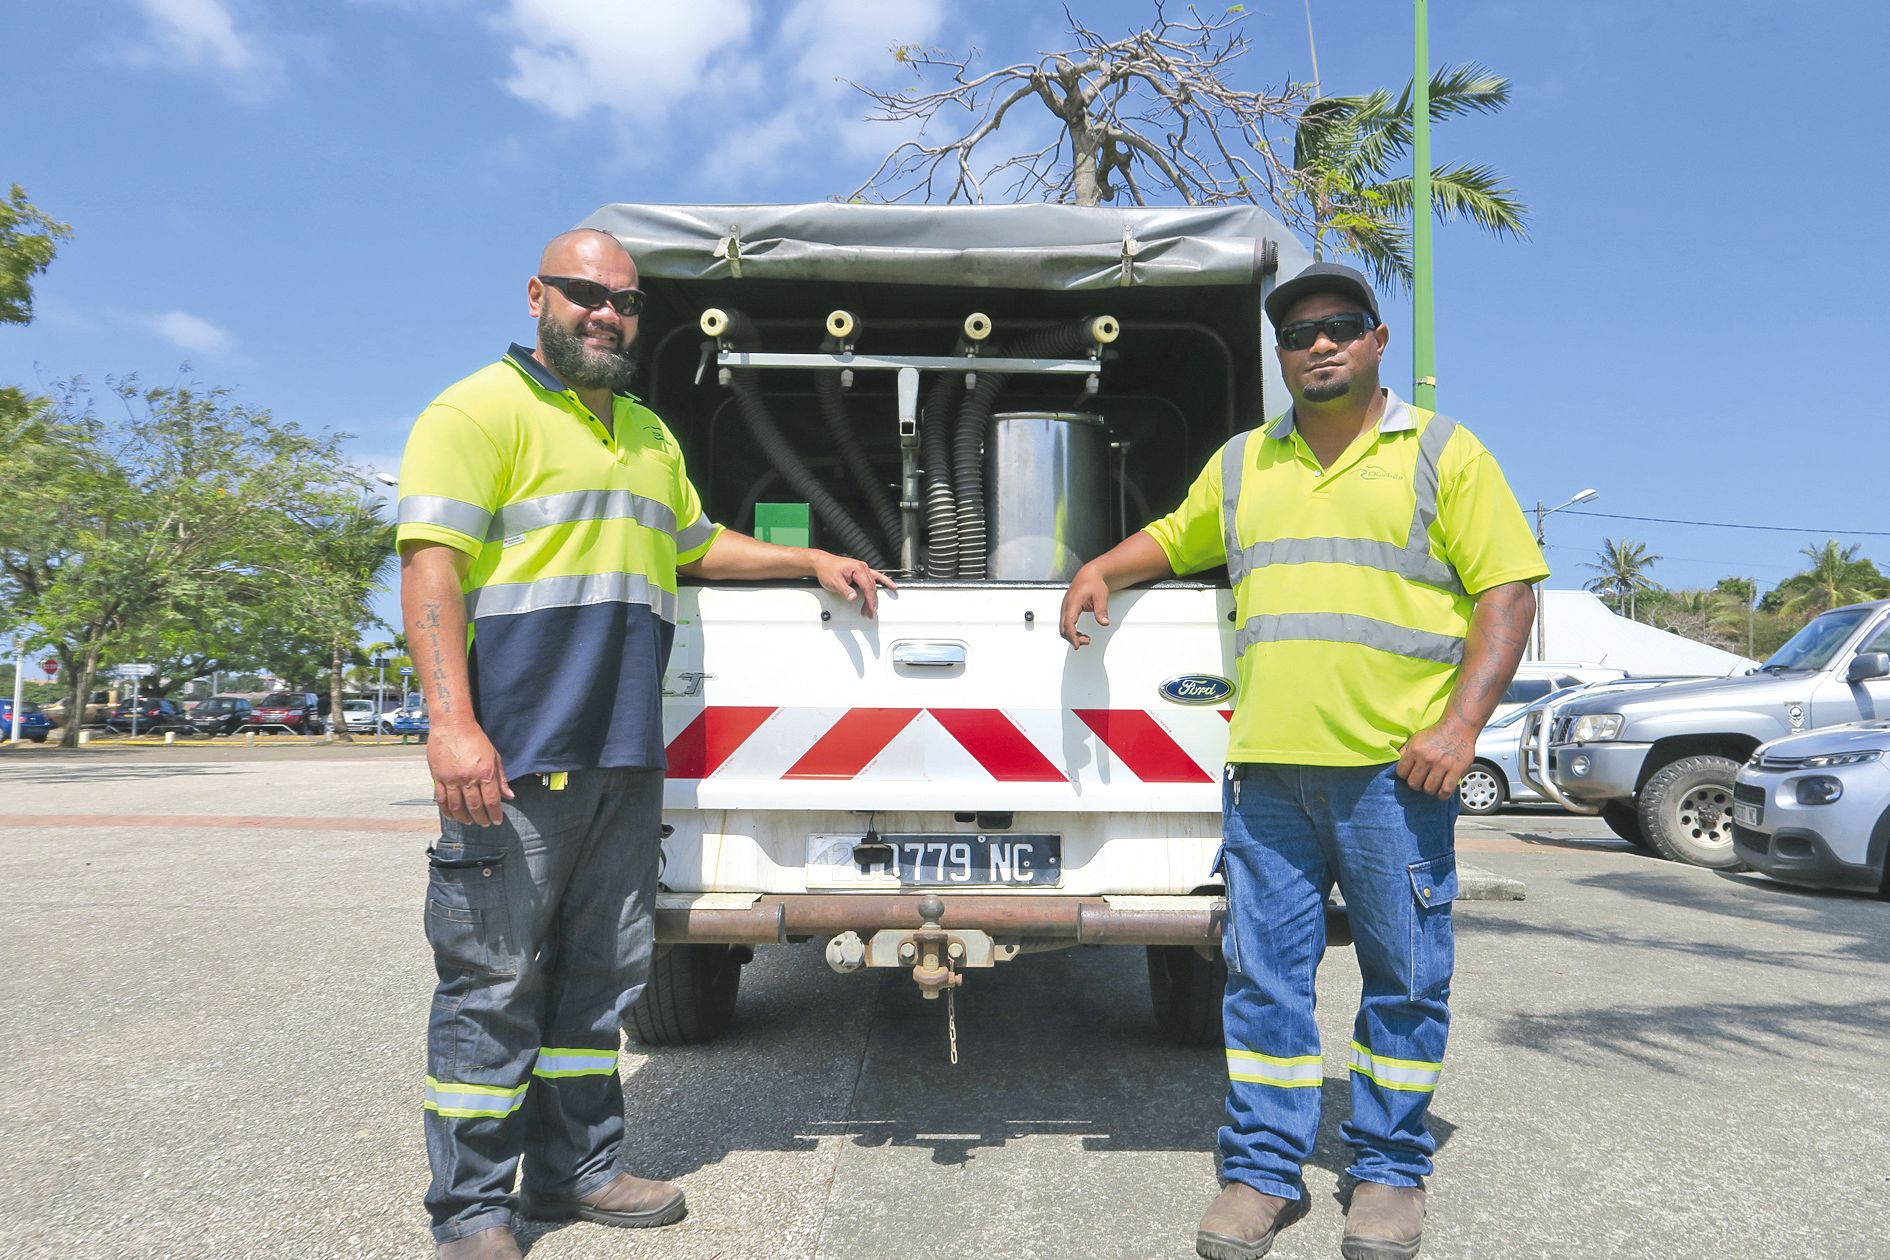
1659, 765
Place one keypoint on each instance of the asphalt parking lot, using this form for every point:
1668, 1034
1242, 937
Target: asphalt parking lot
216, 987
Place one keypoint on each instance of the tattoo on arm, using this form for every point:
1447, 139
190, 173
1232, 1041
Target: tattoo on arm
1499, 632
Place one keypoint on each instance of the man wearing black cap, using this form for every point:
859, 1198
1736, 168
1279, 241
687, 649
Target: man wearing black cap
1381, 571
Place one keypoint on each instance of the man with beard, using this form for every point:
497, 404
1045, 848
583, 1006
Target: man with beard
544, 516
1381, 572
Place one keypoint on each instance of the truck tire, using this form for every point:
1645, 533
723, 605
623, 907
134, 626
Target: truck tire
1186, 990
1686, 812
1624, 821
1482, 790
690, 997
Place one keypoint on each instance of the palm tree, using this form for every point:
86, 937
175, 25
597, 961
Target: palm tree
1623, 571
1347, 155
1836, 577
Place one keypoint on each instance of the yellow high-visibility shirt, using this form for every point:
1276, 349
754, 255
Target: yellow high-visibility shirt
1354, 584
575, 531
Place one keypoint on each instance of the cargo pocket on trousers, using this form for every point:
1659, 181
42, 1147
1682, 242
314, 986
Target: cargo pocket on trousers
1433, 946
1230, 937
469, 920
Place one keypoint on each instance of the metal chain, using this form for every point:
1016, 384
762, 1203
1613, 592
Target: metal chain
951, 1021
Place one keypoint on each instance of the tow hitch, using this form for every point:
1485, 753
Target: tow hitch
934, 953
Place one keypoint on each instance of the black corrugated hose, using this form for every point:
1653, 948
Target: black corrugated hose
847, 532
833, 409
935, 452
1060, 341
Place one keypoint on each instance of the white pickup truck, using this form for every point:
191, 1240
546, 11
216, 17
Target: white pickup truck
1000, 393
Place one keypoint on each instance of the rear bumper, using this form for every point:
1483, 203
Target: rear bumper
766, 919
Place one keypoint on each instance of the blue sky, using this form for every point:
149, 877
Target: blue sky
333, 206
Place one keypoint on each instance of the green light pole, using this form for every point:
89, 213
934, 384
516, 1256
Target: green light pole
1423, 343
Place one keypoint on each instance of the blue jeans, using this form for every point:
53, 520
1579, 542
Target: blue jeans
541, 928
1290, 832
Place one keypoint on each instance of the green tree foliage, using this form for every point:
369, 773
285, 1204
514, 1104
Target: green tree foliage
1351, 184
28, 240
171, 526
351, 550
1622, 570
1837, 576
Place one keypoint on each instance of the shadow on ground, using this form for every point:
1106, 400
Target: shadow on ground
1055, 1045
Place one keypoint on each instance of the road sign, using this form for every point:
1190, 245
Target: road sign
134, 671
50, 666
406, 671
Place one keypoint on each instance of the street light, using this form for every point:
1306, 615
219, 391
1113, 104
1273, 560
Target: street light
1542, 616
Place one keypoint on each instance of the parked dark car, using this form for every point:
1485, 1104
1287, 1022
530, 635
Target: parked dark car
221, 715
297, 712
34, 725
154, 717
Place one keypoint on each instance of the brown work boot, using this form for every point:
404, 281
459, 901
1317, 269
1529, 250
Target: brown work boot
1242, 1222
1383, 1223
626, 1201
496, 1243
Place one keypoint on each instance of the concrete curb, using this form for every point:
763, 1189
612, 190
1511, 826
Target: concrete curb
1476, 884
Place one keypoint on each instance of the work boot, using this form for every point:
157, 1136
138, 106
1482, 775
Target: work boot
626, 1201
1383, 1223
1242, 1222
496, 1243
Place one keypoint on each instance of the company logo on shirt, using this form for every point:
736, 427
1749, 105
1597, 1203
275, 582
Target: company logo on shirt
657, 436
1379, 474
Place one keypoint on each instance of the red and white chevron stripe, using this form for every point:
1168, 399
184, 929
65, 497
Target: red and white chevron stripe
934, 745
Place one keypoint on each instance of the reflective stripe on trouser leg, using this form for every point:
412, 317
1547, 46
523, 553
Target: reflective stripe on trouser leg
603, 944
492, 900
1392, 854
1275, 933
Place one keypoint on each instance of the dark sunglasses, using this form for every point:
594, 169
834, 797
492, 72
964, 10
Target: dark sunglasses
590, 295
1339, 328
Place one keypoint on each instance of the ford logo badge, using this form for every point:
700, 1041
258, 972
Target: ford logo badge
1197, 689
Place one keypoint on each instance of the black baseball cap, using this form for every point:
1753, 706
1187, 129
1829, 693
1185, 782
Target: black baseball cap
1321, 277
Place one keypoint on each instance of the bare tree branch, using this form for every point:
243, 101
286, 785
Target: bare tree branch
1153, 113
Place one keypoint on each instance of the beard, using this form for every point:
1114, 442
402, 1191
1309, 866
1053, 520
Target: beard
1335, 385
581, 366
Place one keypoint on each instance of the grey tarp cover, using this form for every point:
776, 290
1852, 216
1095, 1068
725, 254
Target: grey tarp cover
1059, 248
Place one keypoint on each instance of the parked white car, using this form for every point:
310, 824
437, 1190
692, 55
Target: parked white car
1536, 679
1814, 809
1495, 779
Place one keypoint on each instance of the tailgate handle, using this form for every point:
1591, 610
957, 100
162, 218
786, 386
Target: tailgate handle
929, 654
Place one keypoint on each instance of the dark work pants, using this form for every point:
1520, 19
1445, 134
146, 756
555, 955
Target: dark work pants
541, 930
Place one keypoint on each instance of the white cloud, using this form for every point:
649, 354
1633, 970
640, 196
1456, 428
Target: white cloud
205, 36
767, 78
629, 59
191, 333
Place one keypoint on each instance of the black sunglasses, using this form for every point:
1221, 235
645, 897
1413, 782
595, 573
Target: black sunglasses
1340, 328
590, 295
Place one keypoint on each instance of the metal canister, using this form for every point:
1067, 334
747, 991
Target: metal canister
1047, 494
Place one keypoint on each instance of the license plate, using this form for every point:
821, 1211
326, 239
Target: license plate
935, 860
1747, 814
